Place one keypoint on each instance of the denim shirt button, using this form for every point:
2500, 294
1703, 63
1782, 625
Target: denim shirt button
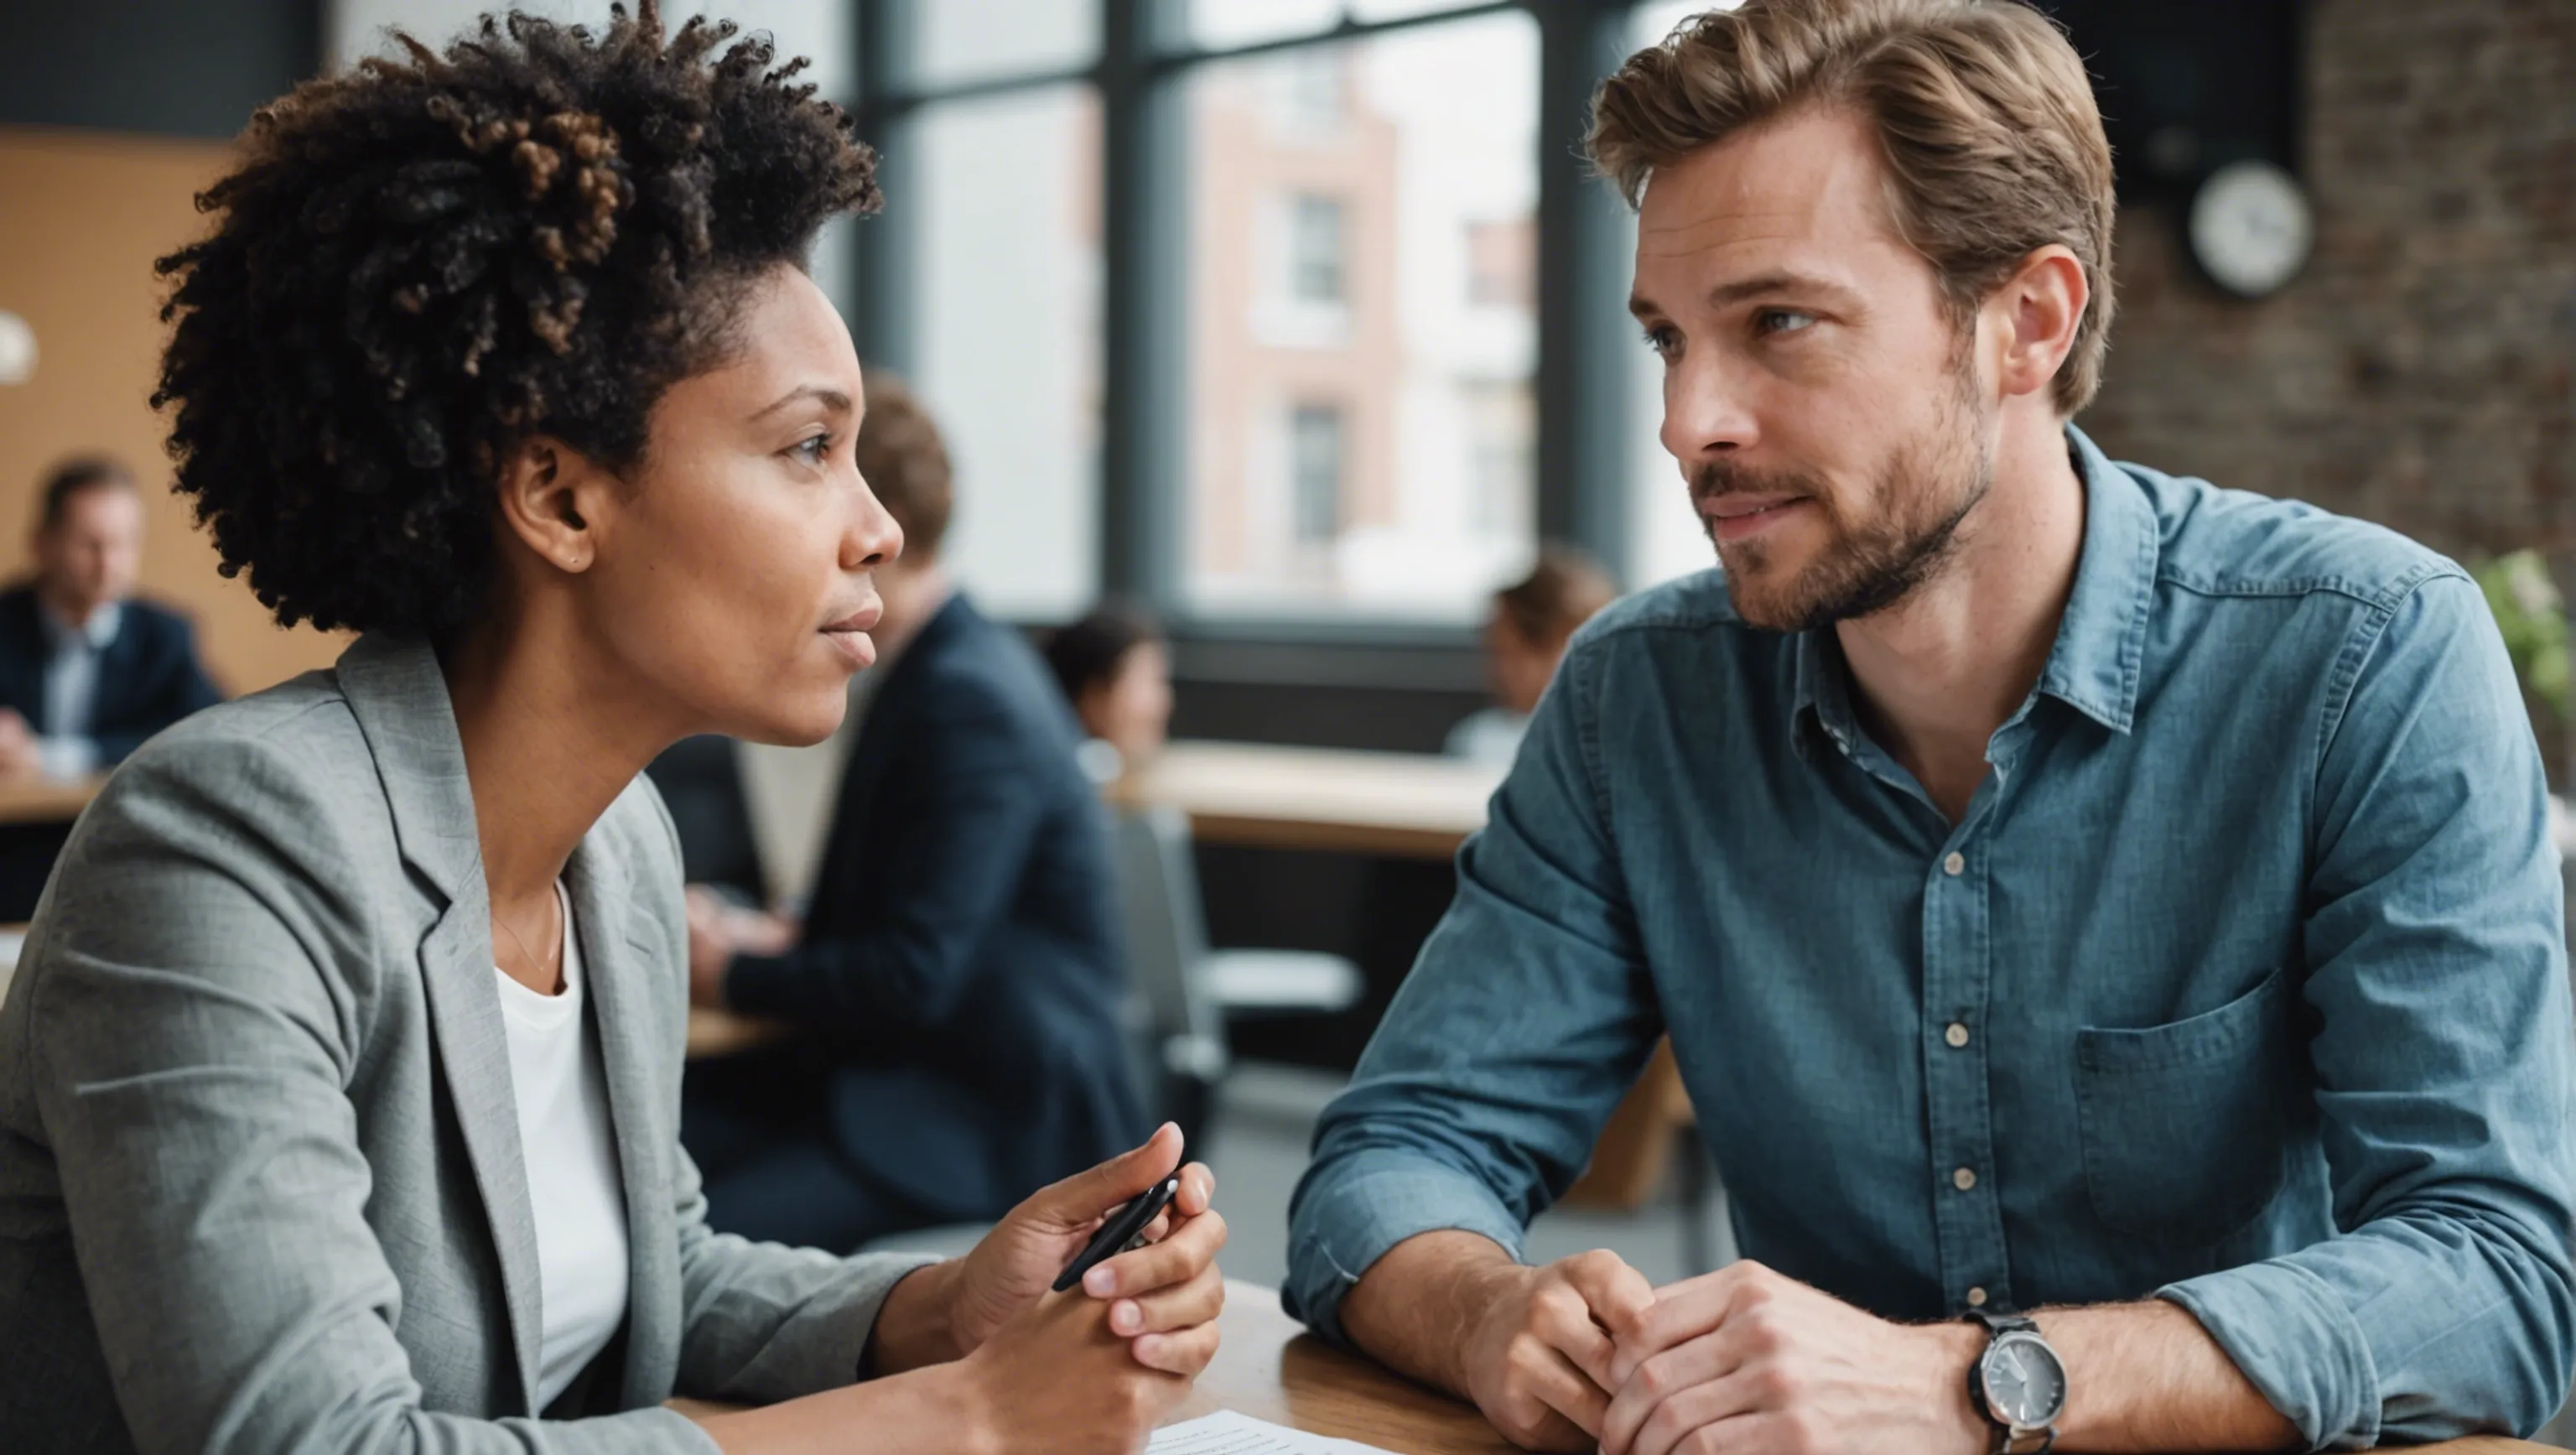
1965, 1179
1955, 865
1956, 1036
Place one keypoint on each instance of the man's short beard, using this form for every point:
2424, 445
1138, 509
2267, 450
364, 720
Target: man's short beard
1866, 571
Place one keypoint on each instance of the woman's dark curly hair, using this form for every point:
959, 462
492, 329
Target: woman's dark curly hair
423, 262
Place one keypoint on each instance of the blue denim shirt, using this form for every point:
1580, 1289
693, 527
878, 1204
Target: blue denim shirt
2241, 984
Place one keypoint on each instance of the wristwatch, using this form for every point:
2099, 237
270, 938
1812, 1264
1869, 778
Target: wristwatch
2018, 1384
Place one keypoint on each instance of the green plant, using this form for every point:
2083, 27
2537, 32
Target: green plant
2533, 618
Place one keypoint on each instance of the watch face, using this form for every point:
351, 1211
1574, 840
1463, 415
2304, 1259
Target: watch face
2025, 1385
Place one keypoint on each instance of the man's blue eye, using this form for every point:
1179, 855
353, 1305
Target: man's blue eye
1784, 320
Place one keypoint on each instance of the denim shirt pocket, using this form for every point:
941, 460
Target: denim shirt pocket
2186, 1127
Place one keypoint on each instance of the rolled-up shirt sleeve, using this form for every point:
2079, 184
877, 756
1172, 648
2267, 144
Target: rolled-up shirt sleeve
1526, 1017
2437, 982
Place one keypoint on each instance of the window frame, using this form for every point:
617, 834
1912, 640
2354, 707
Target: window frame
1317, 236
1580, 388
1318, 448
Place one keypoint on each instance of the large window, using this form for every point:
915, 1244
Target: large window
985, 283
958, 41
1005, 335
1292, 318
1360, 223
1218, 24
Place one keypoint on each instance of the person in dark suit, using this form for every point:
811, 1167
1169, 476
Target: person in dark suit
957, 982
87, 671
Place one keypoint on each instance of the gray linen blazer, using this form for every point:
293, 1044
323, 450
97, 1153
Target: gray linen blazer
260, 1180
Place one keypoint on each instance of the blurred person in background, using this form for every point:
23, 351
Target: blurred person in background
87, 670
1525, 638
957, 983
1116, 671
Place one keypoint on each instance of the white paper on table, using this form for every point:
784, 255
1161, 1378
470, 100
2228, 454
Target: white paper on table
1228, 1433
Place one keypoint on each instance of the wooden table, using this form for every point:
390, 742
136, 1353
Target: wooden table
1406, 805
46, 800
1271, 1369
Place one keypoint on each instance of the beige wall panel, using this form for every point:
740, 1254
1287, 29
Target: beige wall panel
82, 216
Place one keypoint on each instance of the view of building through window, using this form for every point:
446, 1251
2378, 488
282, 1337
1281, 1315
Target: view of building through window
1362, 327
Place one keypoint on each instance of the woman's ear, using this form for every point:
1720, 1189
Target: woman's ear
549, 494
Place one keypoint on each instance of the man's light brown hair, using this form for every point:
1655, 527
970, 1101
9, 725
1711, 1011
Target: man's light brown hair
905, 463
1986, 123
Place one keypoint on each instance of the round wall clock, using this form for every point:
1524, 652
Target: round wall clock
2250, 228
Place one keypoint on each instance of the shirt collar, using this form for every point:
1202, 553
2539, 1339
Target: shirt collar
100, 630
1820, 697
2100, 640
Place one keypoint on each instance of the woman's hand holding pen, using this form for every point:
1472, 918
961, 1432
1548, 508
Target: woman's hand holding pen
980, 1351
1097, 1367
1171, 1284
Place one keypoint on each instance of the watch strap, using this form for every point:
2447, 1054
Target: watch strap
2004, 1323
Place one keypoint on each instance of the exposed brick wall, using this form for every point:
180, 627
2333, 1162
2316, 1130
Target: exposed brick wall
2422, 371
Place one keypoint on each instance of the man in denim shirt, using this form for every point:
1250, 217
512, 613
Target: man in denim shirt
2069, 889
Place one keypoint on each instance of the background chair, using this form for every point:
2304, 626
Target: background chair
1186, 992
1654, 1128
1176, 1031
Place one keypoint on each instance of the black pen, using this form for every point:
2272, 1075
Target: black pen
1120, 1231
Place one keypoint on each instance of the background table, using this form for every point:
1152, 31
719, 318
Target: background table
46, 800
1408, 805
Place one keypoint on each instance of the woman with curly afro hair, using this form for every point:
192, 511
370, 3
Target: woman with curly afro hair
341, 1068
